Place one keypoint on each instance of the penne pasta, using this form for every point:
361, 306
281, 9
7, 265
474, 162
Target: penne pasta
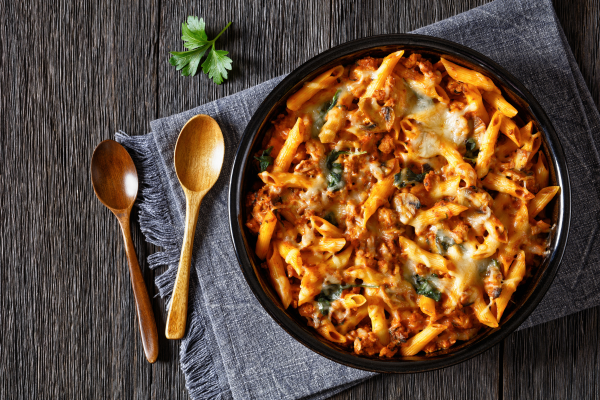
286, 179
541, 199
476, 102
384, 70
469, 76
511, 130
482, 166
286, 154
279, 279
332, 245
504, 185
379, 323
379, 194
433, 261
404, 204
325, 227
509, 286
421, 339
496, 100
264, 235
323, 81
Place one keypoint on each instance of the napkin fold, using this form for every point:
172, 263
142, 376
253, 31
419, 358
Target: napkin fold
233, 349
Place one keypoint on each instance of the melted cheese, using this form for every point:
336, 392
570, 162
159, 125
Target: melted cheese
373, 246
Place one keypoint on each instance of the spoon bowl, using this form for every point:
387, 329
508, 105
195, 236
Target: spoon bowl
114, 176
115, 182
199, 153
198, 159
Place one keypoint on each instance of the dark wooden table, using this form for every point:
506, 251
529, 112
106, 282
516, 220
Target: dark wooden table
73, 73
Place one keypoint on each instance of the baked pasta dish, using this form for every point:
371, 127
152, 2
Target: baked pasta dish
400, 204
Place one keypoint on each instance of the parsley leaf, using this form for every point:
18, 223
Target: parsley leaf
216, 65
265, 159
196, 41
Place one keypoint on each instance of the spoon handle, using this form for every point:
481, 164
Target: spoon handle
176, 320
142, 300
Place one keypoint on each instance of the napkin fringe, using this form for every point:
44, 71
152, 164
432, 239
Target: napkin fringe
156, 224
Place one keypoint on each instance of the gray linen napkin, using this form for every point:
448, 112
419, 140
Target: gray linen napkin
233, 349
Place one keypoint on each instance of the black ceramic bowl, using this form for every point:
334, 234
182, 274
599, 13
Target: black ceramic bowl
529, 293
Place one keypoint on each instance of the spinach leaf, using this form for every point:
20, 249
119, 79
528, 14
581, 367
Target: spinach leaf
330, 293
334, 177
483, 267
424, 288
444, 242
320, 119
407, 177
330, 217
472, 150
334, 100
265, 159
332, 158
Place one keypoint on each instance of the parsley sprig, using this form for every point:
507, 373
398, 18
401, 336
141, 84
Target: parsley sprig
196, 41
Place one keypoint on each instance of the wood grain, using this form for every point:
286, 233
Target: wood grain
71, 74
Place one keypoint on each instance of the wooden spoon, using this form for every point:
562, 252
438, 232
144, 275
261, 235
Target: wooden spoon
198, 159
115, 183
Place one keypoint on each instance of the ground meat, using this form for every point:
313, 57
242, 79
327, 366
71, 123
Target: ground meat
426, 67
369, 63
454, 86
459, 230
387, 144
388, 352
384, 252
366, 342
379, 95
387, 218
253, 225
411, 61
422, 269
261, 203
300, 154
315, 149
416, 322
383, 266
429, 181
398, 333
456, 105
308, 167
310, 312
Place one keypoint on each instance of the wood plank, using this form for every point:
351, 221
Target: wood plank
580, 21
72, 74
477, 378
556, 360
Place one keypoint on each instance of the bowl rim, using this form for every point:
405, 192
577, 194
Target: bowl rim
399, 365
